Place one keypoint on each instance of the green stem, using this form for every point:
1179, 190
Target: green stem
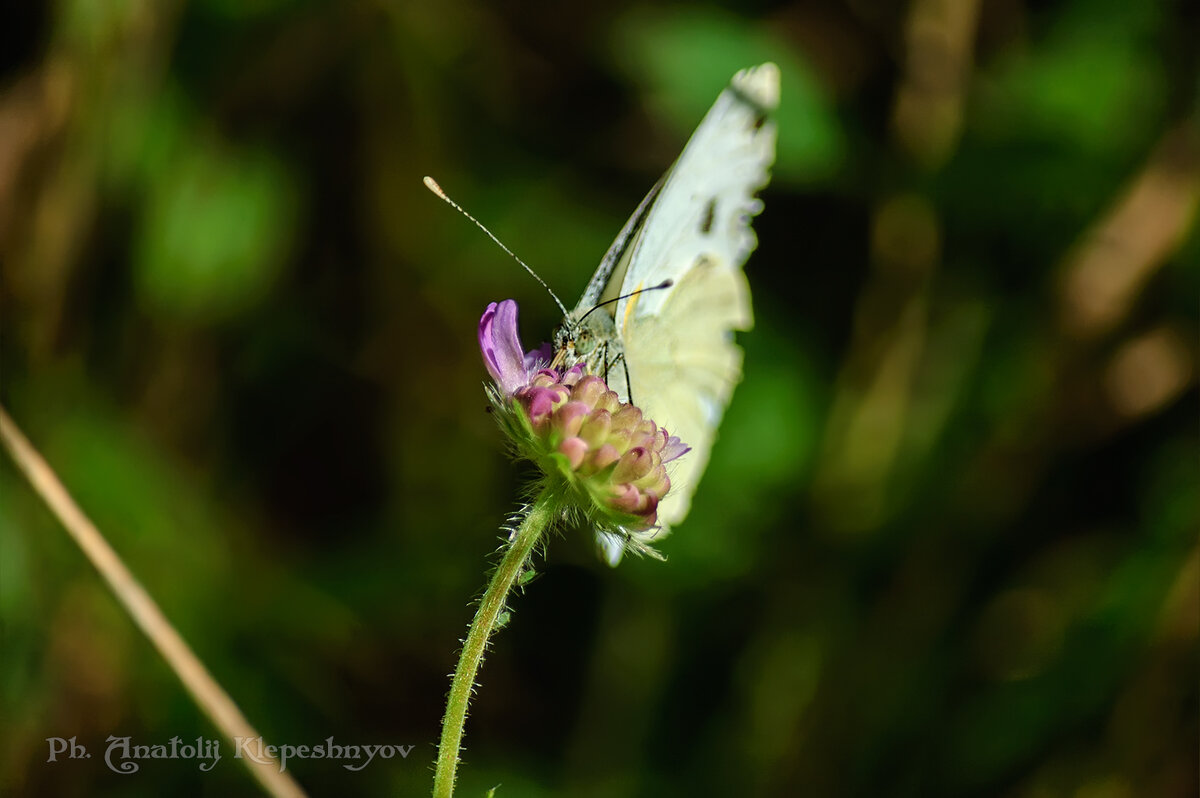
539, 517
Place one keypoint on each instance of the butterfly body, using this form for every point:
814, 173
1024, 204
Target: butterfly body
657, 318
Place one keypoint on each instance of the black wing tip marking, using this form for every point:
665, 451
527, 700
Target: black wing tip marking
758, 88
762, 111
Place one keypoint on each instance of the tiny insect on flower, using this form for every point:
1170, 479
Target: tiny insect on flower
612, 460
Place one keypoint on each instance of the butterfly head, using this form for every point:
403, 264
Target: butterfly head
584, 338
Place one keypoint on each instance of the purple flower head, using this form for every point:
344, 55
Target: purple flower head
614, 455
510, 366
607, 456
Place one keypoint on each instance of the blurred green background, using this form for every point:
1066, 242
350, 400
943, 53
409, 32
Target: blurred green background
947, 543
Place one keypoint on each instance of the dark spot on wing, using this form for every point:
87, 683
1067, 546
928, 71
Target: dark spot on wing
759, 121
710, 215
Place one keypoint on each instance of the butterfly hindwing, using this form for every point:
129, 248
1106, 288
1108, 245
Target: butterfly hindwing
683, 365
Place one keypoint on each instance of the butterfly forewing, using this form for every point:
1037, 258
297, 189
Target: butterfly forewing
693, 230
708, 196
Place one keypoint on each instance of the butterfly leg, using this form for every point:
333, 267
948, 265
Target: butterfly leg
628, 384
619, 357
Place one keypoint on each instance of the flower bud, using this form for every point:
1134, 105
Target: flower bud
633, 465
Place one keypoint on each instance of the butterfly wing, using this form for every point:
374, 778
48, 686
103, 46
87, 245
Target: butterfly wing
678, 341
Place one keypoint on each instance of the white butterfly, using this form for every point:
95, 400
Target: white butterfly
670, 350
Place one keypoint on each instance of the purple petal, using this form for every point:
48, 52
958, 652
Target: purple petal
501, 346
674, 449
538, 358
573, 375
544, 378
540, 402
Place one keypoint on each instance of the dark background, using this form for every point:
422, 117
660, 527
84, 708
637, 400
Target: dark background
947, 541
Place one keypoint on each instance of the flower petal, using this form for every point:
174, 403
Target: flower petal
501, 346
674, 449
541, 402
538, 358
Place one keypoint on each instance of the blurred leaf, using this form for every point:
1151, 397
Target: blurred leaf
144, 133
14, 557
1092, 83
215, 229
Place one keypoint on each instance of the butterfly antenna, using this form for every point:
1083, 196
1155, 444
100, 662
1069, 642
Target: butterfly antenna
667, 283
432, 185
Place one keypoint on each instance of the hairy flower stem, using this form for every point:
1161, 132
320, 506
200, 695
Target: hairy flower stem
538, 518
